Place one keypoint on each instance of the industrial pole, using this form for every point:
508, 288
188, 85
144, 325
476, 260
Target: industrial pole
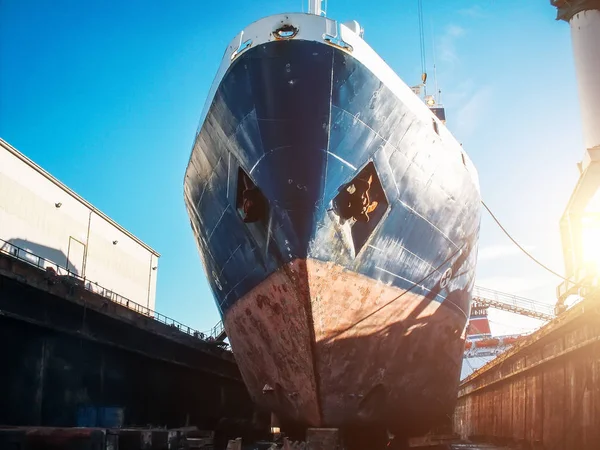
583, 17
315, 7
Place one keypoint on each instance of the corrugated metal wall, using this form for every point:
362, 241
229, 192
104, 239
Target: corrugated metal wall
41, 217
544, 392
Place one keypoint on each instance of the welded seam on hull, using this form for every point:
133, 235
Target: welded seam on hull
241, 122
412, 210
236, 285
218, 222
237, 129
193, 166
212, 174
337, 157
265, 154
407, 250
228, 172
269, 226
192, 206
459, 309
414, 283
387, 158
229, 259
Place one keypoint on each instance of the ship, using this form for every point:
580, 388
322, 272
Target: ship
337, 221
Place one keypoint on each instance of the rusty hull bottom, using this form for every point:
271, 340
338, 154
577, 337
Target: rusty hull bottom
325, 347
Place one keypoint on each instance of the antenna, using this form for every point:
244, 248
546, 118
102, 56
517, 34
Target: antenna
437, 91
422, 45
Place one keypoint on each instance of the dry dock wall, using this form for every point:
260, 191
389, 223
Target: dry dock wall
67, 355
544, 392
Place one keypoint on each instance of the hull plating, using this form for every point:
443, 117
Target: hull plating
337, 349
303, 294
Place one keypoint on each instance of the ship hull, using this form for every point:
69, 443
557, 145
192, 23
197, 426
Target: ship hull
339, 350
335, 321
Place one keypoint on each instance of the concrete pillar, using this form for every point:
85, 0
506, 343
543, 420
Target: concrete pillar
583, 17
585, 34
41, 380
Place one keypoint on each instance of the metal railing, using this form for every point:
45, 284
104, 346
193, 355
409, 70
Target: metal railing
61, 272
513, 303
218, 331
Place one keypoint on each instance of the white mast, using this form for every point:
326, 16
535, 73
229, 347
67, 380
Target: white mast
315, 7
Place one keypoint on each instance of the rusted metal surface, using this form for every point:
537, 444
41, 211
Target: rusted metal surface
270, 328
543, 392
307, 331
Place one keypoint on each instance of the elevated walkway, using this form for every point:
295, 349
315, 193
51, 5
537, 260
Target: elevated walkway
512, 303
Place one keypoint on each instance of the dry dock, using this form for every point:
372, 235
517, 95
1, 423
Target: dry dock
544, 392
73, 358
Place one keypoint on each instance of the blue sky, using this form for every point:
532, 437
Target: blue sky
107, 95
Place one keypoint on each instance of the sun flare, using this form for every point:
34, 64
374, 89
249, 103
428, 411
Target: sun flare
591, 245
590, 232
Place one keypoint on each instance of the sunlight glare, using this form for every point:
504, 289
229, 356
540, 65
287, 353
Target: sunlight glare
590, 230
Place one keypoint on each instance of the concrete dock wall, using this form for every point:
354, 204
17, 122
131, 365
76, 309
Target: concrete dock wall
69, 356
544, 392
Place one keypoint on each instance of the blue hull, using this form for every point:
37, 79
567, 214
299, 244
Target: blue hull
301, 120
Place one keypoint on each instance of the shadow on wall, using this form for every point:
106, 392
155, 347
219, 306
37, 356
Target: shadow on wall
31, 251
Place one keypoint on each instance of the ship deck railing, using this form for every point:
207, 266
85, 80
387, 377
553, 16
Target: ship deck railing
45, 264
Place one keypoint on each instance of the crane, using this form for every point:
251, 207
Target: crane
579, 235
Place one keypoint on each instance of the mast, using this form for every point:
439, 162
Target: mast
316, 7
430, 99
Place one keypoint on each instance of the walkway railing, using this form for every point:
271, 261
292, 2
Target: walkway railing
73, 278
513, 303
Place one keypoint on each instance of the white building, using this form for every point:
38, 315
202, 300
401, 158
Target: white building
41, 217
